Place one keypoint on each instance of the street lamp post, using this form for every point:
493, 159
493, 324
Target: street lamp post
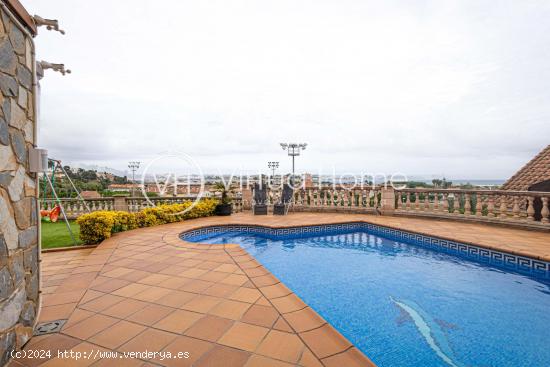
273, 166
134, 166
294, 150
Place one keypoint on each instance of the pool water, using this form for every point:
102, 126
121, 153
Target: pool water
404, 305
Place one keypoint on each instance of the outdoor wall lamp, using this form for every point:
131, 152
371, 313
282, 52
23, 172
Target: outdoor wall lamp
43, 65
51, 24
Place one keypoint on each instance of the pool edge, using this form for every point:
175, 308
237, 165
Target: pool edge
521, 261
350, 355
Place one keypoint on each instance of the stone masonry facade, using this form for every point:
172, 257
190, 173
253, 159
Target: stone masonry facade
19, 242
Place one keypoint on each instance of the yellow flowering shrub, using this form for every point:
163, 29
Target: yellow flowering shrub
204, 208
97, 226
145, 219
124, 221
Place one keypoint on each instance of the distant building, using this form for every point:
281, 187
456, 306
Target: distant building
90, 194
106, 175
123, 187
152, 188
183, 189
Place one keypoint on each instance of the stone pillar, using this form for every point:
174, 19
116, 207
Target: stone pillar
387, 203
247, 198
19, 239
120, 203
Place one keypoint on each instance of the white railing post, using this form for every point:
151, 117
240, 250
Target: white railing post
490, 206
456, 203
479, 204
427, 201
346, 198
403, 203
530, 209
515, 209
467, 205
545, 212
503, 209
445, 203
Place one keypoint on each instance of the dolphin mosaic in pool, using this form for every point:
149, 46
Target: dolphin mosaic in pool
430, 330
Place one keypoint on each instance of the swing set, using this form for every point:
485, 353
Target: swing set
52, 215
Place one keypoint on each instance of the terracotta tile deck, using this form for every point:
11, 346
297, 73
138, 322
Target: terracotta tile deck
146, 290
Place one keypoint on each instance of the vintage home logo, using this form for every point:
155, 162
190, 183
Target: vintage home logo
181, 171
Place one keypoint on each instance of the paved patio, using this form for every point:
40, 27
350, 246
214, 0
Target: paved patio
146, 290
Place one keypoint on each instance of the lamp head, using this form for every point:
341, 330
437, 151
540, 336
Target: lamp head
133, 164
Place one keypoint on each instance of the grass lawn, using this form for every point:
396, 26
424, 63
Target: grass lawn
57, 234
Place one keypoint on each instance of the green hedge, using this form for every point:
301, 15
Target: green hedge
97, 226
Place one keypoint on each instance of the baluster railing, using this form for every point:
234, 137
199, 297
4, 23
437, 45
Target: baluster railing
545, 212
467, 204
511, 207
492, 205
479, 205
456, 203
503, 207
516, 209
530, 209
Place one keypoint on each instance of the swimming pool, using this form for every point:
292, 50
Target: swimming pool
402, 302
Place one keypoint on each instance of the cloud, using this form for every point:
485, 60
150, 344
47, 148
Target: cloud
418, 87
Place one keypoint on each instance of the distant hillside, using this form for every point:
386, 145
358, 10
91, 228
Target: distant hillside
93, 167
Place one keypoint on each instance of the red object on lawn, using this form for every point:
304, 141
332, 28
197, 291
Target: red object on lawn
53, 214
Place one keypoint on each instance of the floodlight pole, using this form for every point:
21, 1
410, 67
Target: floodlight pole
273, 166
293, 150
134, 166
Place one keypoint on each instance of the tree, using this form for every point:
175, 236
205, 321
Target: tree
120, 180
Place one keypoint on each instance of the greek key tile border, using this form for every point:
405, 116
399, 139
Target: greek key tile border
497, 258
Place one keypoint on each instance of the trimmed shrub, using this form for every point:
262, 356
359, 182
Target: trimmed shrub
96, 226
124, 221
100, 225
145, 220
204, 208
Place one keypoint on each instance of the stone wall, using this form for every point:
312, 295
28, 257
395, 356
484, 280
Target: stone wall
19, 244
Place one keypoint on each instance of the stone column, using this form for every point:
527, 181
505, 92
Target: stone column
19, 240
247, 198
387, 203
120, 203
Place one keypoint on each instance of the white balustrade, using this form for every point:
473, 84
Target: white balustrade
511, 207
75, 207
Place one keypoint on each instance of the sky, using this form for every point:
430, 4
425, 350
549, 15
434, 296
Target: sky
436, 88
